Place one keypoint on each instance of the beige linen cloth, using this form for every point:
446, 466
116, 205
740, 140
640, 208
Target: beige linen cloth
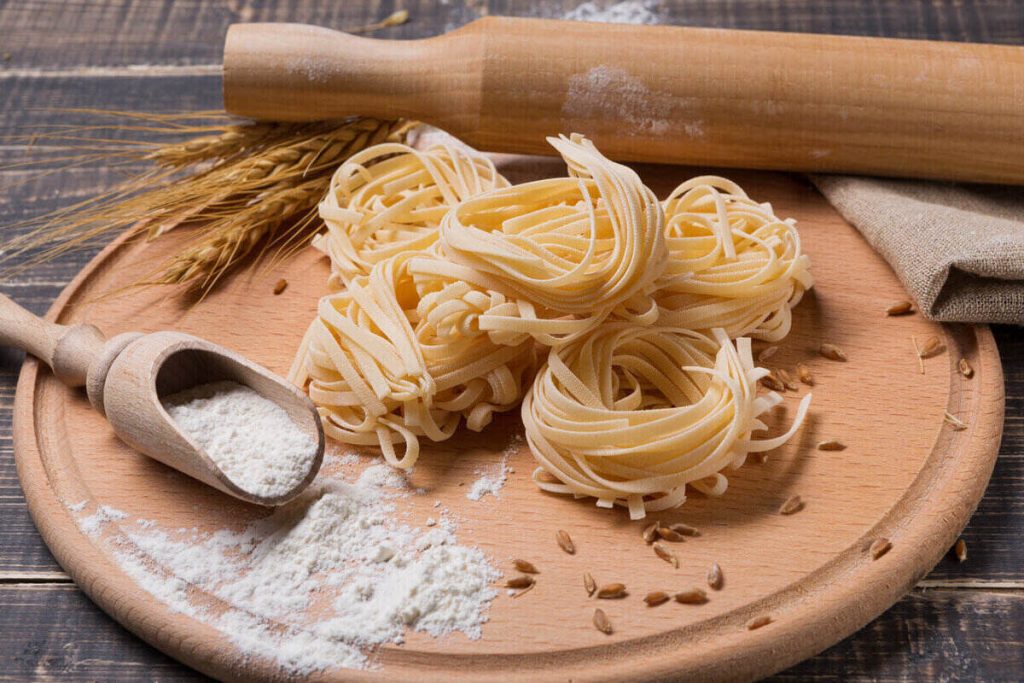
958, 249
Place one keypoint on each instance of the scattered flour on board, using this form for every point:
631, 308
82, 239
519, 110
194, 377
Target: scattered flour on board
492, 481
321, 581
94, 523
252, 439
628, 12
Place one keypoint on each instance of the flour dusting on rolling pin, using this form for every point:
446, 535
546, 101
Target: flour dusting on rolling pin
682, 95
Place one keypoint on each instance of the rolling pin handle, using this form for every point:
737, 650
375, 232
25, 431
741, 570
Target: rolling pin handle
67, 349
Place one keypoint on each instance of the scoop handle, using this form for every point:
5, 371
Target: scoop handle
706, 97
67, 349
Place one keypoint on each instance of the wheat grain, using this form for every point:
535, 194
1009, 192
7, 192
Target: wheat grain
792, 505
832, 352
666, 554
655, 598
879, 547
715, 578
804, 373
601, 622
900, 308
612, 591
694, 596
960, 550
565, 541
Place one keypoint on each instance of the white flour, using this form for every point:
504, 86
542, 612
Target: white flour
492, 481
321, 581
251, 438
628, 12
94, 522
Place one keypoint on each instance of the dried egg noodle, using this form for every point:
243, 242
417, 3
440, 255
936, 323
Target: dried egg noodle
380, 374
734, 264
446, 280
631, 415
584, 245
390, 199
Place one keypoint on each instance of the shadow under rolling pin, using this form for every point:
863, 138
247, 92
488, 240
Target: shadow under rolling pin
747, 99
127, 375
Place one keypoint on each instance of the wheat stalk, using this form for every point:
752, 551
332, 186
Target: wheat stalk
245, 186
270, 189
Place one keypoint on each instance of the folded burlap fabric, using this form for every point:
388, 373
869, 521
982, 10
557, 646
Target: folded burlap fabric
959, 250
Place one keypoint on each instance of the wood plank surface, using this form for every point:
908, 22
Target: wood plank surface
965, 625
56, 634
119, 33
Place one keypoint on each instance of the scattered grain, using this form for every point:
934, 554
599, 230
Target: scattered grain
956, 423
715, 578
965, 368
655, 598
832, 352
650, 533
960, 550
879, 547
601, 622
280, 286
612, 591
525, 590
694, 596
831, 445
520, 582
758, 622
804, 373
772, 383
525, 567
684, 529
900, 308
786, 379
792, 505
670, 535
932, 346
565, 542
766, 353
589, 584
664, 553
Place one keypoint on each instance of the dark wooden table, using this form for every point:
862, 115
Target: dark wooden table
964, 622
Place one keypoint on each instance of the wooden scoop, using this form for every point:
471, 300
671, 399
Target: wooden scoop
126, 376
710, 97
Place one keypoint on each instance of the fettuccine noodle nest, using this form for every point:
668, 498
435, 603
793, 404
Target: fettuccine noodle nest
448, 284
631, 415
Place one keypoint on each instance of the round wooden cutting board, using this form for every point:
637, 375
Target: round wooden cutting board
906, 475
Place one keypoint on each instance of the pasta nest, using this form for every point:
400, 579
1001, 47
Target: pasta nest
380, 374
390, 198
631, 415
582, 245
734, 264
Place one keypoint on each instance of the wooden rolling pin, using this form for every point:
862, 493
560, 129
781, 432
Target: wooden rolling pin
784, 101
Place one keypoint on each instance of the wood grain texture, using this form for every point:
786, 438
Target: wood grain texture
75, 37
823, 587
57, 634
765, 100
